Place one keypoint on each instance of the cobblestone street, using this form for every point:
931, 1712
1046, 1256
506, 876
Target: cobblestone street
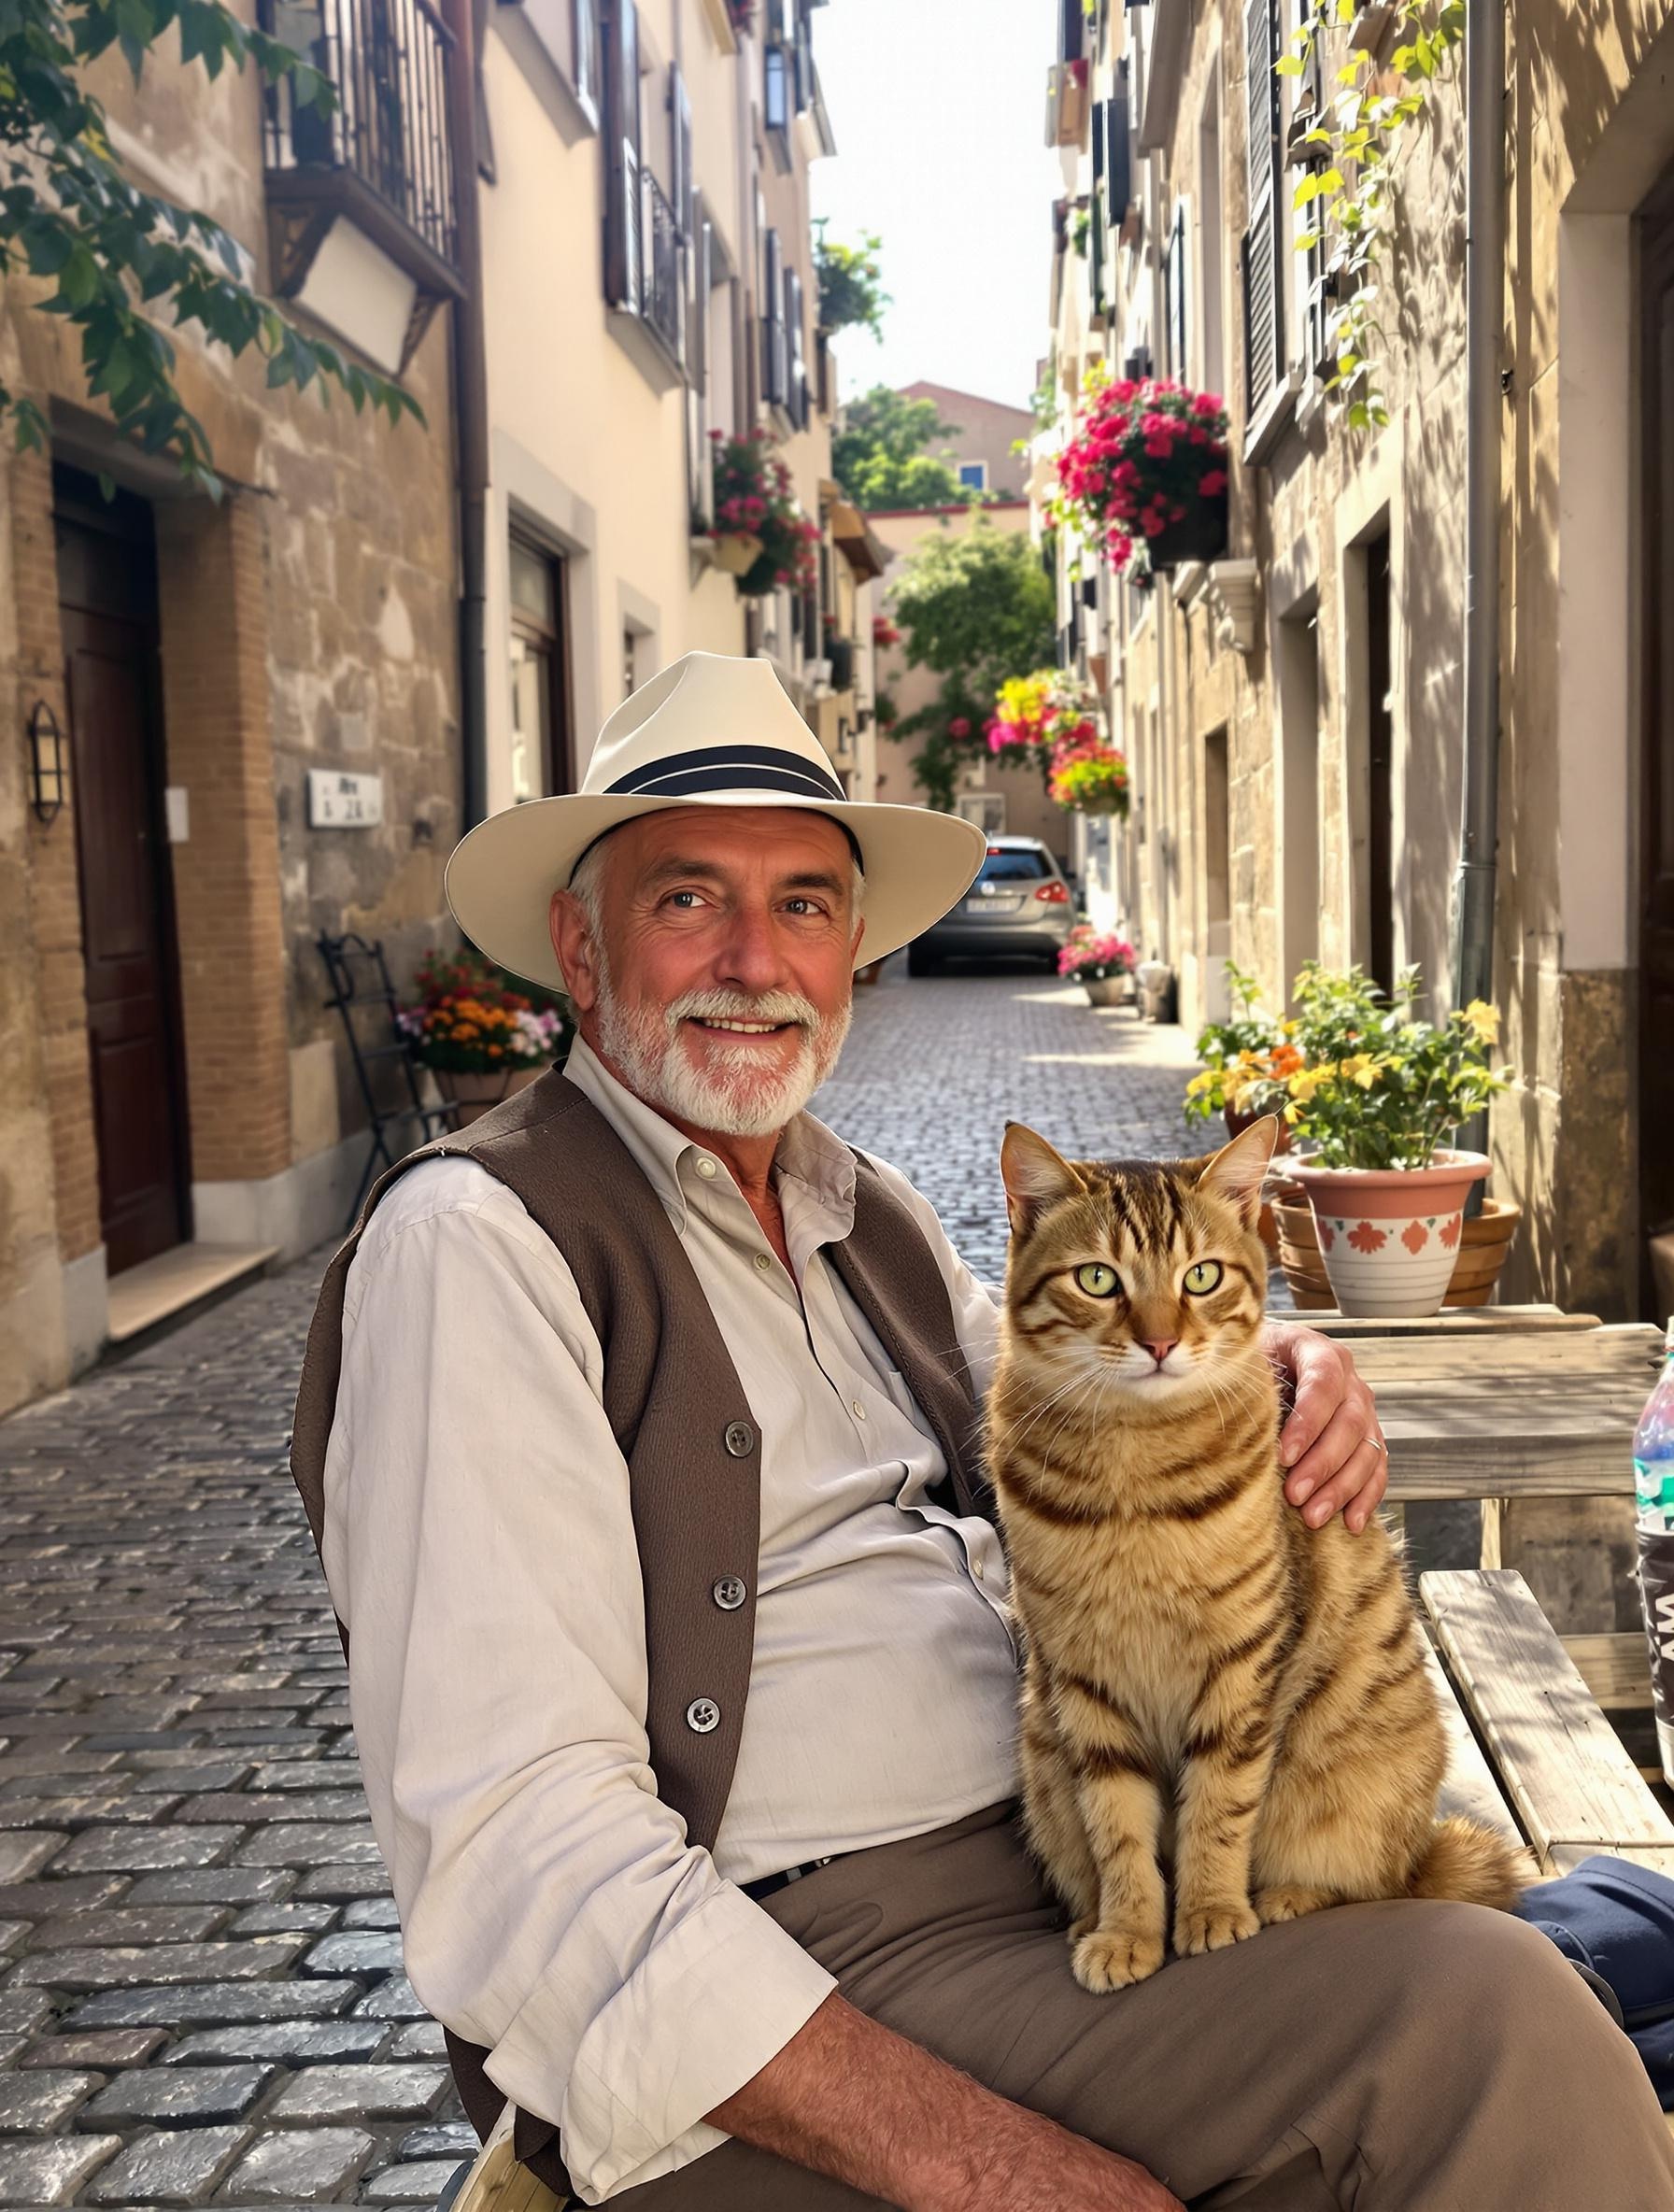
202, 1997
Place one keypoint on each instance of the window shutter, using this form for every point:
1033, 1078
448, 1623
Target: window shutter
1118, 156
1096, 212
772, 324
797, 379
805, 57
1264, 307
680, 175
623, 217
700, 458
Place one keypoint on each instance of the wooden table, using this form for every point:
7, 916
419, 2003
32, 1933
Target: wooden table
1505, 1402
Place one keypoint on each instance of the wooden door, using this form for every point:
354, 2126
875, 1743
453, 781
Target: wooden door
107, 610
1656, 910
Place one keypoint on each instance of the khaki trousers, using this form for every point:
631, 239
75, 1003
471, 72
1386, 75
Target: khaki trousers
1390, 2058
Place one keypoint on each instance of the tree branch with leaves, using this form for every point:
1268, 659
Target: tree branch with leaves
117, 257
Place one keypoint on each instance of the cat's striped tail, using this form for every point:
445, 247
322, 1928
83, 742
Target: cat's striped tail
1470, 1864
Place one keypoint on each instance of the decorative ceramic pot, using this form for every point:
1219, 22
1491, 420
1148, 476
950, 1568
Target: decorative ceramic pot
736, 551
1105, 990
1485, 1243
1390, 1237
476, 1094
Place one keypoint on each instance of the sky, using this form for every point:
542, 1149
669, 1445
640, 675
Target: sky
938, 108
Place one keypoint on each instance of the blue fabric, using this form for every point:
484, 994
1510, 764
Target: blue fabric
1618, 1919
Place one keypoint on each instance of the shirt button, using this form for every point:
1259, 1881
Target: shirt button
764, 1260
740, 1439
858, 1409
706, 1169
729, 1593
703, 1715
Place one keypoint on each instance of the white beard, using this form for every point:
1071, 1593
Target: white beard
743, 1095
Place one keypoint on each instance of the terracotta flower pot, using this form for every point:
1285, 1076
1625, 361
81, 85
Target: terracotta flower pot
1390, 1237
476, 1094
1484, 1243
736, 551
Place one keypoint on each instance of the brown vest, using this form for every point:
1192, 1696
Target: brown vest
684, 1424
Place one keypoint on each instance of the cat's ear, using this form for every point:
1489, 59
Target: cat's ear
1034, 1175
1235, 1171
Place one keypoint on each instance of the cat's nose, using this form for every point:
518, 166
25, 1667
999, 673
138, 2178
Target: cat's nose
1159, 1347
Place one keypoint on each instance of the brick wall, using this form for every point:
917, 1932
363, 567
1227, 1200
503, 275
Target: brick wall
216, 700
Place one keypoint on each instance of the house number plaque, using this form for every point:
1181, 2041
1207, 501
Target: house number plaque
338, 800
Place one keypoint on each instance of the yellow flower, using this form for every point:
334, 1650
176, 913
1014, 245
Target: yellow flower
1363, 1068
1306, 1080
1483, 1021
1202, 1082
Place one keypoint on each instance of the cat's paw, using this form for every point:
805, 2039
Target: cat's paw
1215, 1927
1107, 1959
1288, 1901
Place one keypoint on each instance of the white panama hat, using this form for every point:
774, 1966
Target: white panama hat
708, 730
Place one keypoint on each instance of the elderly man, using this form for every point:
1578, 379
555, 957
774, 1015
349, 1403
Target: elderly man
637, 1435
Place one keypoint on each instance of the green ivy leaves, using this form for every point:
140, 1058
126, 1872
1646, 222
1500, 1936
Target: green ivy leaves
71, 218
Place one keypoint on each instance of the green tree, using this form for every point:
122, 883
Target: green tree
116, 256
851, 282
879, 456
974, 609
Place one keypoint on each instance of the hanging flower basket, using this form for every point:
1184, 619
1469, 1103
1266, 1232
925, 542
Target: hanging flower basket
1145, 474
754, 502
736, 551
1201, 534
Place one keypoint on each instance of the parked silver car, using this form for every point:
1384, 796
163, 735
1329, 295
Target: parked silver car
1019, 905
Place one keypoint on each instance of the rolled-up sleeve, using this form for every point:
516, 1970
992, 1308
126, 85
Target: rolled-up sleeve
479, 1545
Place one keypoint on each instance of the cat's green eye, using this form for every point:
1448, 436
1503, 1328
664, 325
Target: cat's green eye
1203, 1277
1097, 1279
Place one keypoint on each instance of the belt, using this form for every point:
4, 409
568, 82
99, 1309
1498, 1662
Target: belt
770, 1883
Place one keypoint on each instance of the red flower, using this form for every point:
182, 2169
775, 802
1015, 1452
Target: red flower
1367, 1239
1212, 483
1152, 524
958, 727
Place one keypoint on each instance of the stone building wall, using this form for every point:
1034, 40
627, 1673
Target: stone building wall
308, 620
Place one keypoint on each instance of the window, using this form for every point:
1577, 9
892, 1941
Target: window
585, 47
1211, 275
623, 244
804, 56
796, 382
1174, 282
630, 662
1118, 151
775, 69
1264, 288
975, 474
1018, 864
773, 362
541, 763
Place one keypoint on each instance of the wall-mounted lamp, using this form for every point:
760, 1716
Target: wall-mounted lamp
49, 773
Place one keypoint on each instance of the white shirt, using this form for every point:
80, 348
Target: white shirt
479, 1546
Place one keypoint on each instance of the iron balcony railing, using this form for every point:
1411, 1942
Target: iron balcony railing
659, 273
387, 61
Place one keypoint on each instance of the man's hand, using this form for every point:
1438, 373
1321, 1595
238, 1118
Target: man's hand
1330, 1441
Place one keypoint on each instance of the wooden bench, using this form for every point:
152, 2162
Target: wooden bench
1552, 1757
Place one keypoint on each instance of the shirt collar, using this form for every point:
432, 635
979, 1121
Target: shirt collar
811, 1159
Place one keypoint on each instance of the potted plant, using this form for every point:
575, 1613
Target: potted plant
1092, 780
883, 633
762, 538
1145, 473
1100, 961
1253, 1047
485, 1034
1371, 1107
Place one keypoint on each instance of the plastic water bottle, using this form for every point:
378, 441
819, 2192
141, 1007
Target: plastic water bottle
1653, 1451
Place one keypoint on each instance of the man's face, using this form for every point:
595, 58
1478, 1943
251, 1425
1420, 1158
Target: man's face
718, 980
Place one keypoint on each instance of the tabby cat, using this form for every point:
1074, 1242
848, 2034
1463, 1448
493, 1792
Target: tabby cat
1211, 1685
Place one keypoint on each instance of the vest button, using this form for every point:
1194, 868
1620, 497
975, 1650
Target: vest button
740, 1439
729, 1593
702, 1715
